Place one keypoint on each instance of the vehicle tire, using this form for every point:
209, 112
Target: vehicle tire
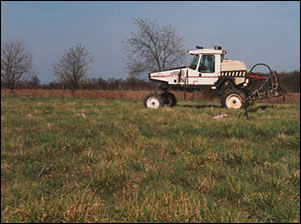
169, 99
153, 101
233, 99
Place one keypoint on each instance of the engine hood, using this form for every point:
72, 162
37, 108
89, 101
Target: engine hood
174, 72
229, 65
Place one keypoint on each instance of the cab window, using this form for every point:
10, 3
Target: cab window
207, 64
194, 62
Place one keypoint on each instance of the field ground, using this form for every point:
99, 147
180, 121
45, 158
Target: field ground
104, 160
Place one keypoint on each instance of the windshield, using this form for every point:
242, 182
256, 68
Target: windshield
194, 62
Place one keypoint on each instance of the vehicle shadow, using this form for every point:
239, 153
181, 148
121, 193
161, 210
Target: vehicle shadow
200, 106
262, 107
250, 109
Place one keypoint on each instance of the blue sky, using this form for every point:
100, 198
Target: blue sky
253, 32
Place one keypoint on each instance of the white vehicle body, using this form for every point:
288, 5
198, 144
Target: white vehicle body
209, 69
195, 75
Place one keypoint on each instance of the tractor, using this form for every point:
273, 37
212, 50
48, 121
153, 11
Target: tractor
210, 69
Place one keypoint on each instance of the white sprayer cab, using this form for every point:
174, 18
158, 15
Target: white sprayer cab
206, 68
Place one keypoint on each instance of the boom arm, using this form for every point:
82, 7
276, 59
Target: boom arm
270, 87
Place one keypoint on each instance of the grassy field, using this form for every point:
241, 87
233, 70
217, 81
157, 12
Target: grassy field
104, 160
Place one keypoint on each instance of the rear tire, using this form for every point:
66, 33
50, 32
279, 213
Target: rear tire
169, 99
153, 101
233, 99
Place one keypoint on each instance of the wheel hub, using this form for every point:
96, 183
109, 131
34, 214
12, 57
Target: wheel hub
233, 101
153, 103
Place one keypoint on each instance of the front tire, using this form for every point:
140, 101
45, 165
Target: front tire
153, 101
233, 99
169, 99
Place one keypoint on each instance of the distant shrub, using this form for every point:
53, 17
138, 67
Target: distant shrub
290, 81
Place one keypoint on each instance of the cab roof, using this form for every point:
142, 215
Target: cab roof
206, 51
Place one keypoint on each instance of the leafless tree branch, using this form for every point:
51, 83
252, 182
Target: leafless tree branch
73, 66
16, 62
153, 48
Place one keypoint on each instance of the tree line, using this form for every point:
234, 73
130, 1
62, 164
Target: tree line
151, 48
130, 83
289, 81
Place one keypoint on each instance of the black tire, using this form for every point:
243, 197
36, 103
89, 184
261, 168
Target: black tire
169, 99
153, 101
233, 99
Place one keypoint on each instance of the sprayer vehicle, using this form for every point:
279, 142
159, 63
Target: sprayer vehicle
210, 69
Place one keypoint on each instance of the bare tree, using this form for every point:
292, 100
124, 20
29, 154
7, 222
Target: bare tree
73, 66
153, 48
16, 62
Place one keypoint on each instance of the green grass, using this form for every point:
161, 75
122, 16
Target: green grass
123, 162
